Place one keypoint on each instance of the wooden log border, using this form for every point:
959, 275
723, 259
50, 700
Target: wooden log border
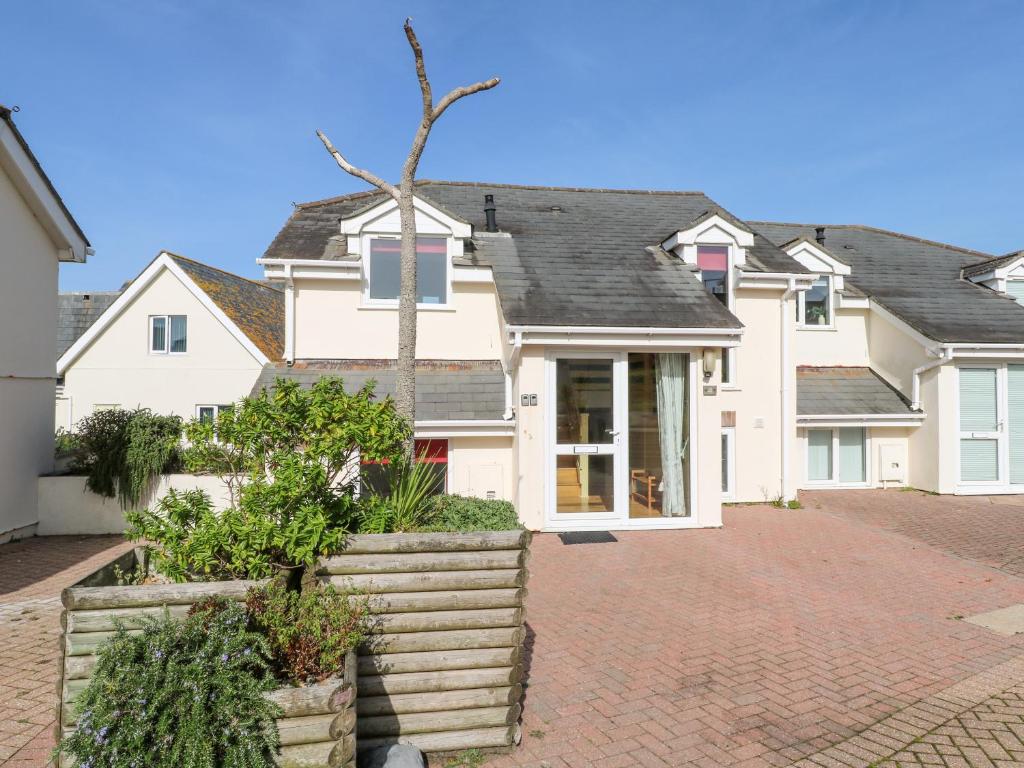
443, 668
318, 722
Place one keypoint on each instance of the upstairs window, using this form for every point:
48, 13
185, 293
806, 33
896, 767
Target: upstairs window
168, 334
431, 270
713, 263
814, 306
1015, 289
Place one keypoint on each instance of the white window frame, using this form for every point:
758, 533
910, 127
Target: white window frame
729, 353
801, 304
167, 335
217, 409
1001, 435
367, 259
729, 493
834, 481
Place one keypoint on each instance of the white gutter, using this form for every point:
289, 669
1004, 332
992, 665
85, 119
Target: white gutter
348, 264
513, 362
289, 315
622, 330
947, 355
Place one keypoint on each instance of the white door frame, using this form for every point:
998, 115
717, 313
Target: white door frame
1001, 435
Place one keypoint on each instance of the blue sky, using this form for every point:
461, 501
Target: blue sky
190, 125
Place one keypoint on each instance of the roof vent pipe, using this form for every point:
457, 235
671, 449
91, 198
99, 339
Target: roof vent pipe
819, 235
489, 209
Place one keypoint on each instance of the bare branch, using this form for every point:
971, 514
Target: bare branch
458, 93
359, 173
421, 70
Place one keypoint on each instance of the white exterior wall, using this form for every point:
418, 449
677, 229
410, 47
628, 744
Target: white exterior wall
28, 353
845, 343
897, 438
118, 369
332, 323
755, 396
479, 465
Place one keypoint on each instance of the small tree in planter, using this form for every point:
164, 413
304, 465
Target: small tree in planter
289, 458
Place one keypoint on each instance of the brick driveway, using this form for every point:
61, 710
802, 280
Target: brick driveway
32, 574
826, 635
779, 637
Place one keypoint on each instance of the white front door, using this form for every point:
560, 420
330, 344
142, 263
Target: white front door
991, 427
584, 472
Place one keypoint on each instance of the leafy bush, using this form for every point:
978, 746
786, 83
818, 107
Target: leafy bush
309, 632
402, 500
286, 457
465, 513
123, 452
181, 693
65, 443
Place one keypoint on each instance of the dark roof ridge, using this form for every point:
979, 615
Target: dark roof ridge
879, 230
177, 256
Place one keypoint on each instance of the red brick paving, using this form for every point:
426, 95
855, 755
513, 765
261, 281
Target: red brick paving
755, 645
32, 574
988, 529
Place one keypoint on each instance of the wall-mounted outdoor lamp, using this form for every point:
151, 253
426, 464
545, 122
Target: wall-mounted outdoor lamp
710, 360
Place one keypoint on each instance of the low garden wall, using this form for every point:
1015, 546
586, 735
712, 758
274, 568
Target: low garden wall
317, 727
66, 507
444, 669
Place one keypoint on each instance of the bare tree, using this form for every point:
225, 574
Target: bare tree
405, 396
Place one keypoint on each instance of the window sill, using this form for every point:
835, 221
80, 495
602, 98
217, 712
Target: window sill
802, 327
419, 307
730, 387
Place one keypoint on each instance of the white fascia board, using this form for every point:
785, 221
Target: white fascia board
462, 274
356, 224
466, 428
40, 199
849, 302
310, 269
138, 285
808, 253
777, 280
683, 237
583, 336
861, 420
999, 273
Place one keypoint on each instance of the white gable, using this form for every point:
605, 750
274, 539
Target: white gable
816, 259
714, 230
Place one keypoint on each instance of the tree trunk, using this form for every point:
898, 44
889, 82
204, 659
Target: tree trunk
405, 383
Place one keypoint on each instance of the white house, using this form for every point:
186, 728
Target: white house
571, 339
182, 338
36, 233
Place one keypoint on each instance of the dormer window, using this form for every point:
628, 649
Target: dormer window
814, 306
384, 270
713, 262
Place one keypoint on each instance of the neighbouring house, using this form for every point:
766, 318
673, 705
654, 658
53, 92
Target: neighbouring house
37, 233
182, 338
633, 359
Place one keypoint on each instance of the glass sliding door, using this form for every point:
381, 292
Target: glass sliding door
852, 455
1015, 420
819, 455
837, 456
659, 435
585, 436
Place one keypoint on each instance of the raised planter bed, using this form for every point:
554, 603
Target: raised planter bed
443, 670
317, 727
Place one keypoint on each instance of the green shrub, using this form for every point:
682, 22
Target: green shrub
465, 513
180, 693
309, 632
65, 443
123, 452
286, 457
402, 500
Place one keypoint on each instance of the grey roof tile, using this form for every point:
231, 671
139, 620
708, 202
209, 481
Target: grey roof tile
76, 312
853, 391
445, 389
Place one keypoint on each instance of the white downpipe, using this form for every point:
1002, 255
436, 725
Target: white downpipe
289, 315
784, 376
513, 362
947, 355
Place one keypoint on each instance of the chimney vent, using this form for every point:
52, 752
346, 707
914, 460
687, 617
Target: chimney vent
489, 209
819, 235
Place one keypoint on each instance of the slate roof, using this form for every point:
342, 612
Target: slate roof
917, 280
852, 391
5, 115
256, 308
76, 312
985, 266
446, 390
564, 256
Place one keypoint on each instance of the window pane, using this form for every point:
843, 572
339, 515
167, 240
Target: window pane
159, 340
725, 462
659, 432
586, 483
979, 460
179, 333
713, 263
584, 402
431, 270
1015, 288
852, 461
385, 257
1015, 428
978, 400
819, 454
817, 304
206, 414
